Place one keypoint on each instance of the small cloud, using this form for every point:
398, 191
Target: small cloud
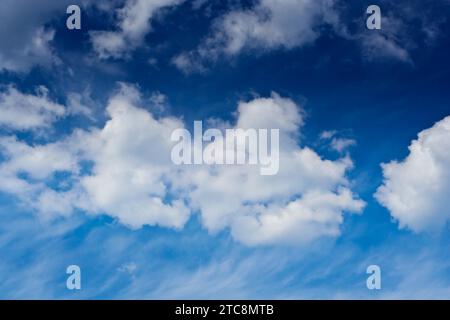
342, 144
81, 103
158, 101
377, 46
153, 62
327, 134
188, 63
416, 190
131, 29
336, 143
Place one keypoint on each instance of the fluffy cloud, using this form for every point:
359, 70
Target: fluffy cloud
124, 170
416, 189
303, 202
270, 24
26, 111
273, 24
29, 171
134, 23
131, 156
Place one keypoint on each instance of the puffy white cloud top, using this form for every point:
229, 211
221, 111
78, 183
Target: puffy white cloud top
416, 190
131, 177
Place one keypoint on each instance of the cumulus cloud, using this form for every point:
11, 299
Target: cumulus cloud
271, 24
134, 23
28, 172
305, 201
22, 111
130, 157
124, 170
416, 190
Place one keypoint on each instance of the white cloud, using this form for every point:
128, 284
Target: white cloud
271, 24
134, 23
133, 179
37, 161
342, 144
274, 24
25, 111
314, 215
188, 63
26, 170
305, 201
81, 103
327, 134
337, 143
416, 189
132, 158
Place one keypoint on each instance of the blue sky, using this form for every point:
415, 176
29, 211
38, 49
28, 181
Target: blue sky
86, 116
